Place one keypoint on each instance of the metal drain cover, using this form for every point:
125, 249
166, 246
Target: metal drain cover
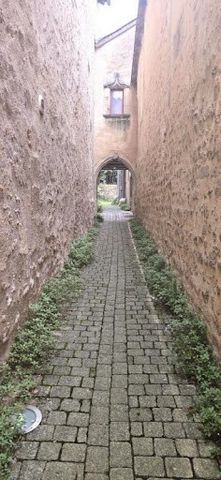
32, 418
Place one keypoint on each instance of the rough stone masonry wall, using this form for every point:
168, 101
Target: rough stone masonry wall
46, 184
179, 138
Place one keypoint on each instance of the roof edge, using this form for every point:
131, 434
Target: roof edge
111, 36
138, 39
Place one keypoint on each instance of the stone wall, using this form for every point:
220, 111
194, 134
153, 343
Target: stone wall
115, 135
179, 138
46, 191
107, 191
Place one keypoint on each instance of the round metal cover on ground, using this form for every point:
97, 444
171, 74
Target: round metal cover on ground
32, 417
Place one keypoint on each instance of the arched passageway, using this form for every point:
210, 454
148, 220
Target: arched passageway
119, 177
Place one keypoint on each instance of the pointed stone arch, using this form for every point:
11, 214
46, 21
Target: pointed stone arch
116, 162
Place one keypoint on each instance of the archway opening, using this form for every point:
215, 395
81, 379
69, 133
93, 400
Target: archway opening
115, 182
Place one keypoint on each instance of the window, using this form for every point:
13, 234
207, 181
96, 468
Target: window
117, 102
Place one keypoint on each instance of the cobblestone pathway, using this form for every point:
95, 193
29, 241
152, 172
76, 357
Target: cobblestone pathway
113, 407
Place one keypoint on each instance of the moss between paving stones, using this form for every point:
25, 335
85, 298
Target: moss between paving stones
33, 344
189, 332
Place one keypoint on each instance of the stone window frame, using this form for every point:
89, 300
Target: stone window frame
111, 102
116, 85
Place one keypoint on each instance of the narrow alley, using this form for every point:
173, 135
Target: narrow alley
110, 111
113, 406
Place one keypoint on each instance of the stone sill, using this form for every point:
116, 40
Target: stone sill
118, 117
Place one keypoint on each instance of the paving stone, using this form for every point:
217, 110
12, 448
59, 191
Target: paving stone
119, 431
118, 346
120, 454
50, 379
178, 467
105, 359
98, 435
153, 389
141, 360
166, 401
42, 433
96, 476
62, 370
49, 451
121, 474
81, 393
119, 413
70, 405
82, 435
140, 414
187, 447
43, 391
174, 430
69, 381
27, 450
51, 403
88, 362
32, 470
133, 402
153, 429
57, 418
119, 381
78, 419
62, 471
142, 446
164, 447
65, 433
138, 379
170, 390
193, 430
136, 429
151, 369
147, 401
120, 368
184, 401
99, 414
80, 371
58, 361
205, 448
102, 383
162, 414
101, 398
61, 392
187, 389
180, 415
97, 460
119, 396
158, 378
148, 466
15, 469
73, 453
103, 371
135, 369
206, 468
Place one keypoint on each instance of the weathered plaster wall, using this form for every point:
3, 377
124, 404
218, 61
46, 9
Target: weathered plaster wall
46, 185
115, 135
179, 138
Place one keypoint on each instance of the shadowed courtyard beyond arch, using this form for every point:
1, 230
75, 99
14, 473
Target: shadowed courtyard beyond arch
126, 179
